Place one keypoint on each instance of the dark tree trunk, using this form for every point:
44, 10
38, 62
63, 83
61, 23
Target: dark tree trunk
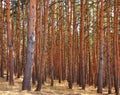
82, 49
2, 41
100, 69
108, 48
30, 46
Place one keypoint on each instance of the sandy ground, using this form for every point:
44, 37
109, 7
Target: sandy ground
58, 89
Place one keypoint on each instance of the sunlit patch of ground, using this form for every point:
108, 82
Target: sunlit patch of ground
57, 89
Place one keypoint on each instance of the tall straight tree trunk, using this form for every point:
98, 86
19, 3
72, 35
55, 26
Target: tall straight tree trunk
30, 45
52, 49
2, 41
60, 42
94, 50
44, 49
101, 53
63, 51
116, 48
37, 57
13, 38
97, 43
119, 40
49, 46
23, 38
70, 61
82, 59
39, 29
18, 40
10, 46
90, 75
108, 48
74, 40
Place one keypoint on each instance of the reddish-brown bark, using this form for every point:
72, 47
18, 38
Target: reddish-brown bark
18, 41
70, 60
10, 46
116, 48
2, 41
108, 48
82, 49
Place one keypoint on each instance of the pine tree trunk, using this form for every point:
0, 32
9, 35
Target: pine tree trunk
39, 29
52, 49
108, 48
100, 69
10, 45
18, 40
30, 45
70, 61
2, 40
116, 48
82, 49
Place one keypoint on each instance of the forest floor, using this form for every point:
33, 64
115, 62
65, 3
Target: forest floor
57, 89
